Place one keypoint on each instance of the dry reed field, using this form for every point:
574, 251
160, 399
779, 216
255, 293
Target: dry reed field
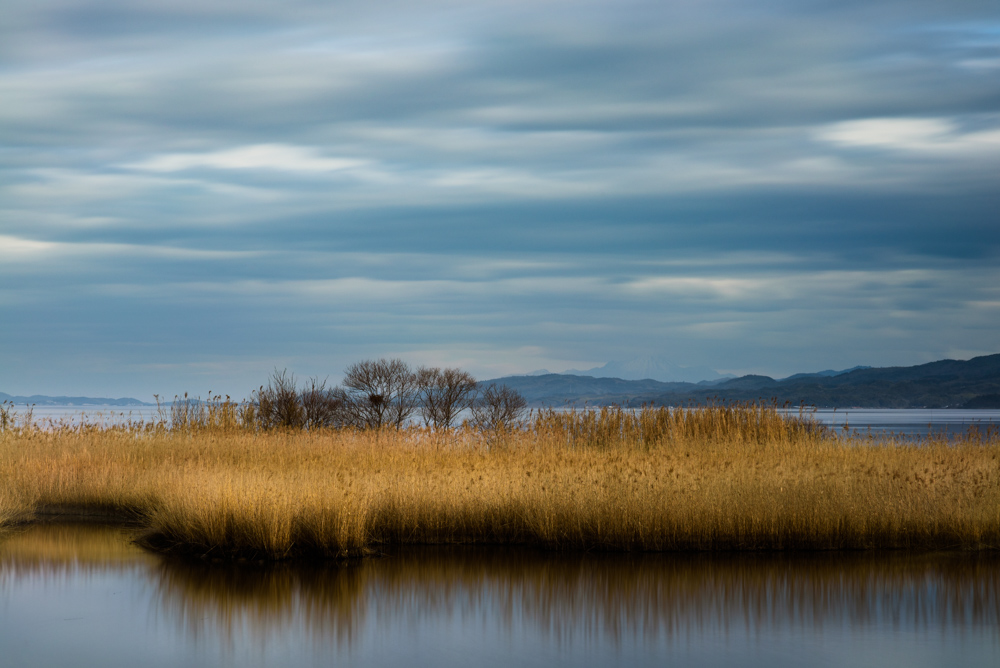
719, 478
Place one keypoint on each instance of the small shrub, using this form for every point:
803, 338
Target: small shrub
323, 406
278, 404
498, 409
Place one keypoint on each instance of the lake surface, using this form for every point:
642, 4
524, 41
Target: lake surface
94, 414
903, 422
84, 596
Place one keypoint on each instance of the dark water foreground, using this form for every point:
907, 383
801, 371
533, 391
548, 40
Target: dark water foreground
83, 596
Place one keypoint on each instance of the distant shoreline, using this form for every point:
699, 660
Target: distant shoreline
956, 384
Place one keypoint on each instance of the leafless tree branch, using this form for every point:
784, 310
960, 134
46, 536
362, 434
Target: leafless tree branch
444, 394
380, 393
498, 409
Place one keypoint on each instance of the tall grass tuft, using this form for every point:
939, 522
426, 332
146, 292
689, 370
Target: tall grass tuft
216, 413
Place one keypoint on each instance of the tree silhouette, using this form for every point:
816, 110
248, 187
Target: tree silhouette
380, 393
444, 394
498, 408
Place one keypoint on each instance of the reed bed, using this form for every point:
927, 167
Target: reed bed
719, 478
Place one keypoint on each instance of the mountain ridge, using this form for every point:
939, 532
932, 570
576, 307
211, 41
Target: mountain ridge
947, 383
973, 383
647, 368
44, 400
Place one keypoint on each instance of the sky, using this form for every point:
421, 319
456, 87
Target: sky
194, 194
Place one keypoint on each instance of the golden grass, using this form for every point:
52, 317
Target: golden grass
724, 478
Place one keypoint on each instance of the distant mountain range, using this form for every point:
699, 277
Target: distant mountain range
42, 400
650, 368
828, 373
661, 369
944, 384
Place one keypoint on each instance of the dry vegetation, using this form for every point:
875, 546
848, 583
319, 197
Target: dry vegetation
723, 478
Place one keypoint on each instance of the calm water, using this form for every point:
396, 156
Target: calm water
907, 422
83, 596
93, 414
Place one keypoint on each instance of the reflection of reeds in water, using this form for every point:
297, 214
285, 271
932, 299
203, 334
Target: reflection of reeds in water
567, 597
328, 602
725, 478
51, 548
607, 598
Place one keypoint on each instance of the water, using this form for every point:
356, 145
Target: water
880, 421
106, 415
908, 422
83, 596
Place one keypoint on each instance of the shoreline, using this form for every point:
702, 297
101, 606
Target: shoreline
156, 543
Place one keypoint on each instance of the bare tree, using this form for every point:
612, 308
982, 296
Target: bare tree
380, 393
278, 404
444, 394
322, 406
499, 408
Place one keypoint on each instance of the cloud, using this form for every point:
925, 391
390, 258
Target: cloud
263, 156
919, 135
776, 185
14, 249
48, 257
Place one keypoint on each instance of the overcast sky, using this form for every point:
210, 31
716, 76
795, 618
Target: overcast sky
193, 193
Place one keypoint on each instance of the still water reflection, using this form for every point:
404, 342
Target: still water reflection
83, 596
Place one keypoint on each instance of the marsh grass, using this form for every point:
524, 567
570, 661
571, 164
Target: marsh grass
719, 478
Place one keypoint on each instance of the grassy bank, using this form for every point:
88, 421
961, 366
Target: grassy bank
737, 478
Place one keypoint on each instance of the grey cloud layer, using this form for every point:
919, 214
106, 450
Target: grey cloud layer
564, 182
